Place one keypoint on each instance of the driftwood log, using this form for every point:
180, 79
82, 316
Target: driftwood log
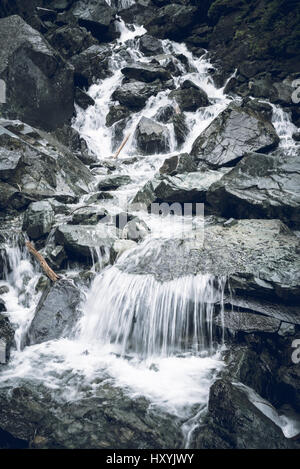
121, 146
48, 271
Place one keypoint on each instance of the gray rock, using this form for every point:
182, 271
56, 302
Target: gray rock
289, 377
56, 314
180, 128
151, 137
70, 40
259, 258
182, 188
39, 82
165, 114
150, 45
107, 419
232, 134
260, 186
115, 114
237, 321
135, 95
88, 215
7, 335
91, 65
146, 72
234, 422
38, 219
172, 21
296, 136
177, 164
135, 230
112, 183
286, 329
45, 167
96, 16
80, 240
190, 99
83, 99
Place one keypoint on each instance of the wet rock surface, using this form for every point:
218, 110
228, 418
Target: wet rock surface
264, 186
39, 81
107, 417
233, 133
151, 137
56, 314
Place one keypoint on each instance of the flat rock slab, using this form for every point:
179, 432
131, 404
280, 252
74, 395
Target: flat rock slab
232, 134
259, 258
261, 186
237, 321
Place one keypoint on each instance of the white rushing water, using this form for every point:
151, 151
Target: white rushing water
153, 339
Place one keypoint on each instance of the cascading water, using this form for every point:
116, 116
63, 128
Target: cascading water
152, 338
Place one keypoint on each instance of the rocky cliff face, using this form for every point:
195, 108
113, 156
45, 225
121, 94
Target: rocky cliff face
219, 131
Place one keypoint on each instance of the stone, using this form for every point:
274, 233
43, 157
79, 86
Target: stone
178, 164
83, 99
112, 183
172, 21
70, 40
56, 313
260, 186
237, 321
45, 167
116, 113
190, 99
181, 188
97, 17
80, 241
233, 133
91, 65
135, 95
39, 82
259, 259
38, 219
151, 137
150, 45
146, 72
236, 423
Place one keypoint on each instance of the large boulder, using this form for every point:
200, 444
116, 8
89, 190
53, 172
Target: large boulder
146, 72
182, 188
233, 421
134, 95
151, 137
258, 258
112, 183
56, 313
39, 83
105, 419
34, 166
177, 164
82, 242
97, 17
190, 99
70, 40
38, 219
232, 134
172, 21
91, 65
150, 45
260, 186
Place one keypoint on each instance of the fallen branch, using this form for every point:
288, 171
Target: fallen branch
48, 271
122, 146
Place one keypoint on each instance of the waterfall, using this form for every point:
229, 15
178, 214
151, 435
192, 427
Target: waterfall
149, 317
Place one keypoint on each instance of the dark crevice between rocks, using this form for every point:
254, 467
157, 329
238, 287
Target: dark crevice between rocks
8, 441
